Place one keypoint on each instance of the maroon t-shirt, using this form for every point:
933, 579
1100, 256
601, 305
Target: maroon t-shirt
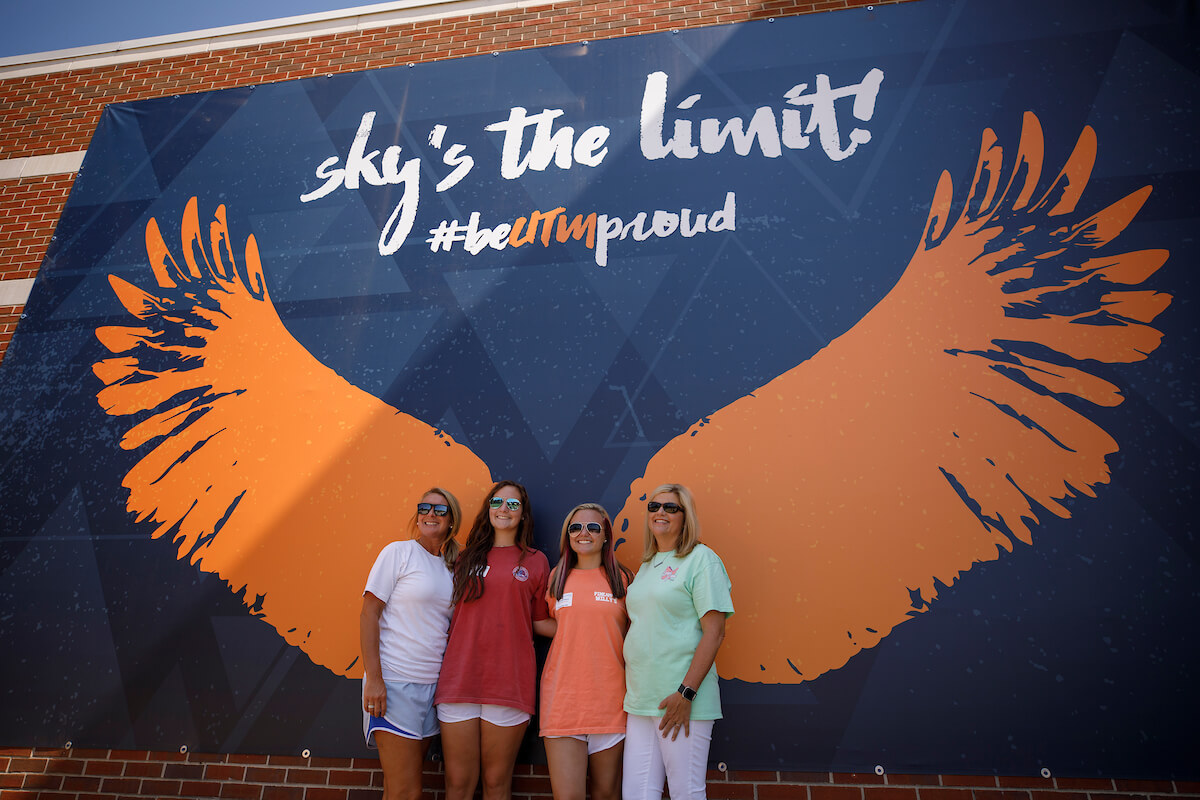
489, 656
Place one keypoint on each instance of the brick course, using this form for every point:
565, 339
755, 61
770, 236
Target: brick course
47, 773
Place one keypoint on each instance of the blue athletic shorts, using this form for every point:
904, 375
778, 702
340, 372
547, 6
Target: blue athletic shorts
409, 712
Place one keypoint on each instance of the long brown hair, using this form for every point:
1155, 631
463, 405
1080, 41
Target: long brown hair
618, 576
468, 570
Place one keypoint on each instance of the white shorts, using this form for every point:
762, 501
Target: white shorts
596, 742
498, 715
502, 716
409, 712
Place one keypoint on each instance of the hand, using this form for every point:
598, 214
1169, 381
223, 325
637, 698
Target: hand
374, 696
677, 713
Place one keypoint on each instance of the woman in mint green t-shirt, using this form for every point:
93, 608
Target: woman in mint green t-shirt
677, 606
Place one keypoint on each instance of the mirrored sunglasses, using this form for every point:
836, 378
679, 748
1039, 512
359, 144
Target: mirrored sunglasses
512, 503
438, 510
578, 527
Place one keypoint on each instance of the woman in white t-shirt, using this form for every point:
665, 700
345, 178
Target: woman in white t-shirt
402, 628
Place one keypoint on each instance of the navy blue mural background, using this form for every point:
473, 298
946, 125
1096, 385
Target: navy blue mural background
1077, 654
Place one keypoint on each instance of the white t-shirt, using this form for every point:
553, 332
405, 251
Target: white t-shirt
416, 589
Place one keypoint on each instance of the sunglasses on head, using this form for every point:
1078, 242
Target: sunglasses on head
438, 510
670, 508
579, 527
512, 503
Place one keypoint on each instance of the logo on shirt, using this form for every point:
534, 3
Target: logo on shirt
482, 571
668, 574
604, 597
521, 574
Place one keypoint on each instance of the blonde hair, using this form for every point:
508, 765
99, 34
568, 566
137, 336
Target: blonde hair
450, 546
689, 536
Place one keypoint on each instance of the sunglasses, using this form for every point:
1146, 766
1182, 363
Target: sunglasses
438, 510
670, 508
578, 527
513, 503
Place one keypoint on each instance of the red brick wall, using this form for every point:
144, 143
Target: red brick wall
54, 774
9, 316
30, 211
56, 112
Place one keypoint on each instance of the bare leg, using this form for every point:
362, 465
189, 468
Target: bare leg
401, 760
604, 769
498, 751
460, 748
568, 762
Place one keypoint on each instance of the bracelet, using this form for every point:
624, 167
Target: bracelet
688, 693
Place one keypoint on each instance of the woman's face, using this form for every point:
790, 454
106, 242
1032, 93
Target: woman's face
430, 525
505, 518
665, 527
586, 542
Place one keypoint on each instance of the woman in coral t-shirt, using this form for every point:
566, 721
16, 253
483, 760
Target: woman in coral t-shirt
583, 683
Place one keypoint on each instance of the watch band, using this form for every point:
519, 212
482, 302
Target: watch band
688, 693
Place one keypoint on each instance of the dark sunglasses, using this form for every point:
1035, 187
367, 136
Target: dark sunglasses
512, 503
438, 510
577, 527
670, 508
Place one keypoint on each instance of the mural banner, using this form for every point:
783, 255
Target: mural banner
900, 294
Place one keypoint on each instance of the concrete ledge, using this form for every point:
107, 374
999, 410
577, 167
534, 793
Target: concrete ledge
15, 292
33, 166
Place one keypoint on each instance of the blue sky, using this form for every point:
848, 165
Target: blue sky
33, 26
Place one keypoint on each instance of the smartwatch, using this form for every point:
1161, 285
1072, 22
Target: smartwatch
689, 694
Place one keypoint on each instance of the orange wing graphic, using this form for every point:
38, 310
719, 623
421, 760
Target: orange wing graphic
931, 436
267, 468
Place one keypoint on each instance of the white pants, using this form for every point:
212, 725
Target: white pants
649, 757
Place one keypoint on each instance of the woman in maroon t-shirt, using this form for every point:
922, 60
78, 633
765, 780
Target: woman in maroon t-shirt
486, 690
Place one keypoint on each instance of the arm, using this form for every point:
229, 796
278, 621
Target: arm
677, 711
374, 692
543, 603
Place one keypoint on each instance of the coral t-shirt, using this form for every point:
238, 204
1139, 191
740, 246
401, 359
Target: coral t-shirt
583, 683
489, 657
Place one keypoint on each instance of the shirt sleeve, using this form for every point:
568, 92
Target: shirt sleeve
389, 566
711, 586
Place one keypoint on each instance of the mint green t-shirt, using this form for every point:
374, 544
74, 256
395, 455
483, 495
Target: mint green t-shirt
665, 602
